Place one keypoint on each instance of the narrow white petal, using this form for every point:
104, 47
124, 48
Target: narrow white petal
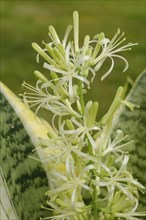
109, 71
122, 58
52, 68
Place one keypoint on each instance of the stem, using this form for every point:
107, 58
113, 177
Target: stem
81, 96
94, 204
107, 134
93, 176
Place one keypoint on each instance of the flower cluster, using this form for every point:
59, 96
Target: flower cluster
86, 166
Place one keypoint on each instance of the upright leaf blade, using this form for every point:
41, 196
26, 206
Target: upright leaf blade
24, 180
7, 209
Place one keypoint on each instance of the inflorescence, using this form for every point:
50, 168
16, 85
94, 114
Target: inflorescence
87, 168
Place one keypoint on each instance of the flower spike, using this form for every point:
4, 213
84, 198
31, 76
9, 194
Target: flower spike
87, 165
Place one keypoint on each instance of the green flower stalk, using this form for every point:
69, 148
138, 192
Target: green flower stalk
86, 166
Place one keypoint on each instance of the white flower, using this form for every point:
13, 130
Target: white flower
72, 182
120, 179
110, 49
68, 76
59, 149
116, 146
45, 95
83, 129
43, 99
62, 210
131, 215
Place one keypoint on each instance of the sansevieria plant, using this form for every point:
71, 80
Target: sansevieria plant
83, 167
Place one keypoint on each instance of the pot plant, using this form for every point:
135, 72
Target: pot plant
81, 167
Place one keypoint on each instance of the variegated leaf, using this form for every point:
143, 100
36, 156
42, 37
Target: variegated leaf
134, 124
23, 180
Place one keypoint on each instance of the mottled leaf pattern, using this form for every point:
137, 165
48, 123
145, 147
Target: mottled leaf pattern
134, 124
25, 177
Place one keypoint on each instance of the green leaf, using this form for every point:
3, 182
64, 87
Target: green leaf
134, 124
23, 180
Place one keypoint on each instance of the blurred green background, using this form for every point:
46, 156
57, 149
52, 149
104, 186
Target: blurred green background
24, 22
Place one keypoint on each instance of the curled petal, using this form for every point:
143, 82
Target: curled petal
122, 58
110, 69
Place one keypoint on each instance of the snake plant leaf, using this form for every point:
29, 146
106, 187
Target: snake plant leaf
23, 180
134, 124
